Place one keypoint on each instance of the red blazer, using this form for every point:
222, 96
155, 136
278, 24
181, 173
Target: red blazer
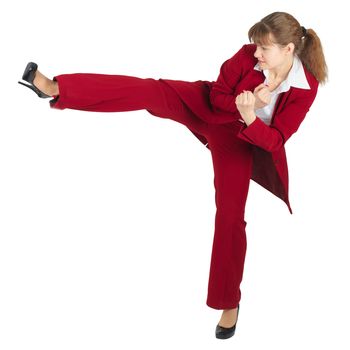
214, 102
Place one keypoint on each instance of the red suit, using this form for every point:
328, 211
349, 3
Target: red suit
239, 152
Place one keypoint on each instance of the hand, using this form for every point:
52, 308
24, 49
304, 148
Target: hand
245, 102
262, 96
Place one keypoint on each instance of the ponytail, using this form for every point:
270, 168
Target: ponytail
311, 54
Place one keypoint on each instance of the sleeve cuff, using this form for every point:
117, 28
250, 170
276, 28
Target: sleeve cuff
251, 132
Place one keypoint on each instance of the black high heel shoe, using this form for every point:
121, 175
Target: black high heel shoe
223, 332
28, 75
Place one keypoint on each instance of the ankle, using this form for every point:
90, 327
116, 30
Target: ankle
230, 310
46, 85
54, 91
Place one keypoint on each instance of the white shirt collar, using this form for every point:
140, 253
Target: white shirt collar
296, 76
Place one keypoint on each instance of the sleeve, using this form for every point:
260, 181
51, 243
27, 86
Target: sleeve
287, 121
222, 95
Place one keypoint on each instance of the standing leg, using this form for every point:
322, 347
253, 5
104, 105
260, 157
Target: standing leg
121, 93
232, 160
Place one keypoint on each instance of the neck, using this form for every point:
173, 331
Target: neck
281, 72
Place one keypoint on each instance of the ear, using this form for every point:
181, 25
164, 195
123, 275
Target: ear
289, 49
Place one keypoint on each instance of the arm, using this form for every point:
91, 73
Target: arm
287, 122
222, 95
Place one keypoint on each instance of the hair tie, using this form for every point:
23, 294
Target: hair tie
304, 31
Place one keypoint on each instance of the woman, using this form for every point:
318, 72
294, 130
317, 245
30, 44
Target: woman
244, 118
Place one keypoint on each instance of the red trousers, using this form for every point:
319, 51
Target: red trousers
232, 162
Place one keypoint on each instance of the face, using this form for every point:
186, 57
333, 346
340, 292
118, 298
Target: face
272, 56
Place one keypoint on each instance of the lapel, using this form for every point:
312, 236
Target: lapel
281, 101
277, 105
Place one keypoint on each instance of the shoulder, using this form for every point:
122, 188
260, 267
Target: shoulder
313, 82
246, 54
249, 49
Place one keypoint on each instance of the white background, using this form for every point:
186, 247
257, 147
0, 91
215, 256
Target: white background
107, 219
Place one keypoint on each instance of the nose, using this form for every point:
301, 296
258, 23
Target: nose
257, 53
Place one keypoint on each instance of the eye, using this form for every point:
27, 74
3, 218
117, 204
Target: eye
263, 47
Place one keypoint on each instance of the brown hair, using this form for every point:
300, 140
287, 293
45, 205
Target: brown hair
286, 29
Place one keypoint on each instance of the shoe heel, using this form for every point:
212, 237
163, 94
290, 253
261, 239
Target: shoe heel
35, 89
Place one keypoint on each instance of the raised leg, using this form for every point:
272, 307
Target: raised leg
121, 93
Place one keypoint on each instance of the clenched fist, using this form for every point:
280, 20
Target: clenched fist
262, 96
245, 102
